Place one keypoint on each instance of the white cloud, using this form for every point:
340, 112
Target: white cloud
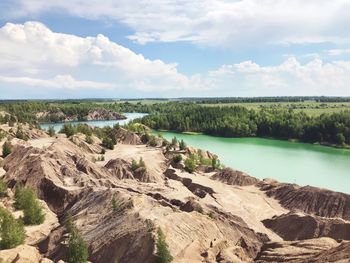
58, 82
337, 52
31, 55
289, 78
35, 53
212, 22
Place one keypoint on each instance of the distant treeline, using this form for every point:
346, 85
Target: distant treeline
267, 99
239, 121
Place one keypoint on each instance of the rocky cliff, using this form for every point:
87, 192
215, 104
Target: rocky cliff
219, 216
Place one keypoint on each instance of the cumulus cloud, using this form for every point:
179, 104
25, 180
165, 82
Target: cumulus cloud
34, 51
31, 55
289, 78
211, 22
58, 82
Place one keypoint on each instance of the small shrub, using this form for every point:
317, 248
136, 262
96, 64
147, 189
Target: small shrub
77, 248
26, 200
115, 205
51, 131
153, 141
190, 165
88, 139
182, 145
6, 149
135, 165
177, 158
21, 135
68, 129
108, 143
3, 188
12, 231
163, 254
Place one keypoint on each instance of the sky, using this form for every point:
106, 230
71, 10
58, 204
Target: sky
173, 48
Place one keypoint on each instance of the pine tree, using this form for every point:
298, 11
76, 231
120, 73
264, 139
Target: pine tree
163, 254
12, 231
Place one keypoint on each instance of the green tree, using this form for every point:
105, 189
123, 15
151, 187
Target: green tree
6, 149
190, 164
108, 143
88, 139
3, 188
77, 247
177, 158
163, 254
174, 142
68, 129
182, 145
51, 131
26, 200
12, 231
340, 138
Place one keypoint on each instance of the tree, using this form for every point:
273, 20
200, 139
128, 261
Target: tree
108, 143
3, 188
340, 138
6, 149
51, 131
26, 200
12, 231
177, 158
174, 142
163, 254
190, 165
88, 139
182, 145
68, 129
77, 247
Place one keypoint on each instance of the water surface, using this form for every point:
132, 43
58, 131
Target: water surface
304, 164
129, 117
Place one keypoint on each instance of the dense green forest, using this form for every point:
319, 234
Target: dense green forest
238, 121
281, 121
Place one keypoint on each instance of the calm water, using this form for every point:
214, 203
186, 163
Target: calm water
300, 163
129, 116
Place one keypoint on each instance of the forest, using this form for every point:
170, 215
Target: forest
281, 122
237, 121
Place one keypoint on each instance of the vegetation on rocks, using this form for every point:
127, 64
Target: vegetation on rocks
136, 165
12, 231
108, 143
77, 247
6, 149
26, 200
51, 131
163, 254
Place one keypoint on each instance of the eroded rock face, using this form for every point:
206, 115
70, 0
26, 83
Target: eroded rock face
234, 177
298, 227
103, 114
311, 200
119, 168
127, 137
321, 250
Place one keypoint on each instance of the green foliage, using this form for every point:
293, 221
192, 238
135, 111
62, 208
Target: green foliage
190, 164
115, 205
26, 200
51, 131
77, 247
152, 141
6, 149
215, 163
108, 143
21, 135
177, 158
68, 129
135, 165
340, 138
88, 139
12, 231
174, 142
3, 188
182, 145
163, 254
84, 129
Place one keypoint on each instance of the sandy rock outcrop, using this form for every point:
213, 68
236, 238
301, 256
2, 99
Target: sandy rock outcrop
234, 177
103, 114
310, 200
127, 137
294, 226
119, 168
321, 250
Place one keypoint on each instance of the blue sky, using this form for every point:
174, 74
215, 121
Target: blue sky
156, 48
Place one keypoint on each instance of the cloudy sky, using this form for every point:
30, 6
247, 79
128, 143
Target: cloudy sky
173, 48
